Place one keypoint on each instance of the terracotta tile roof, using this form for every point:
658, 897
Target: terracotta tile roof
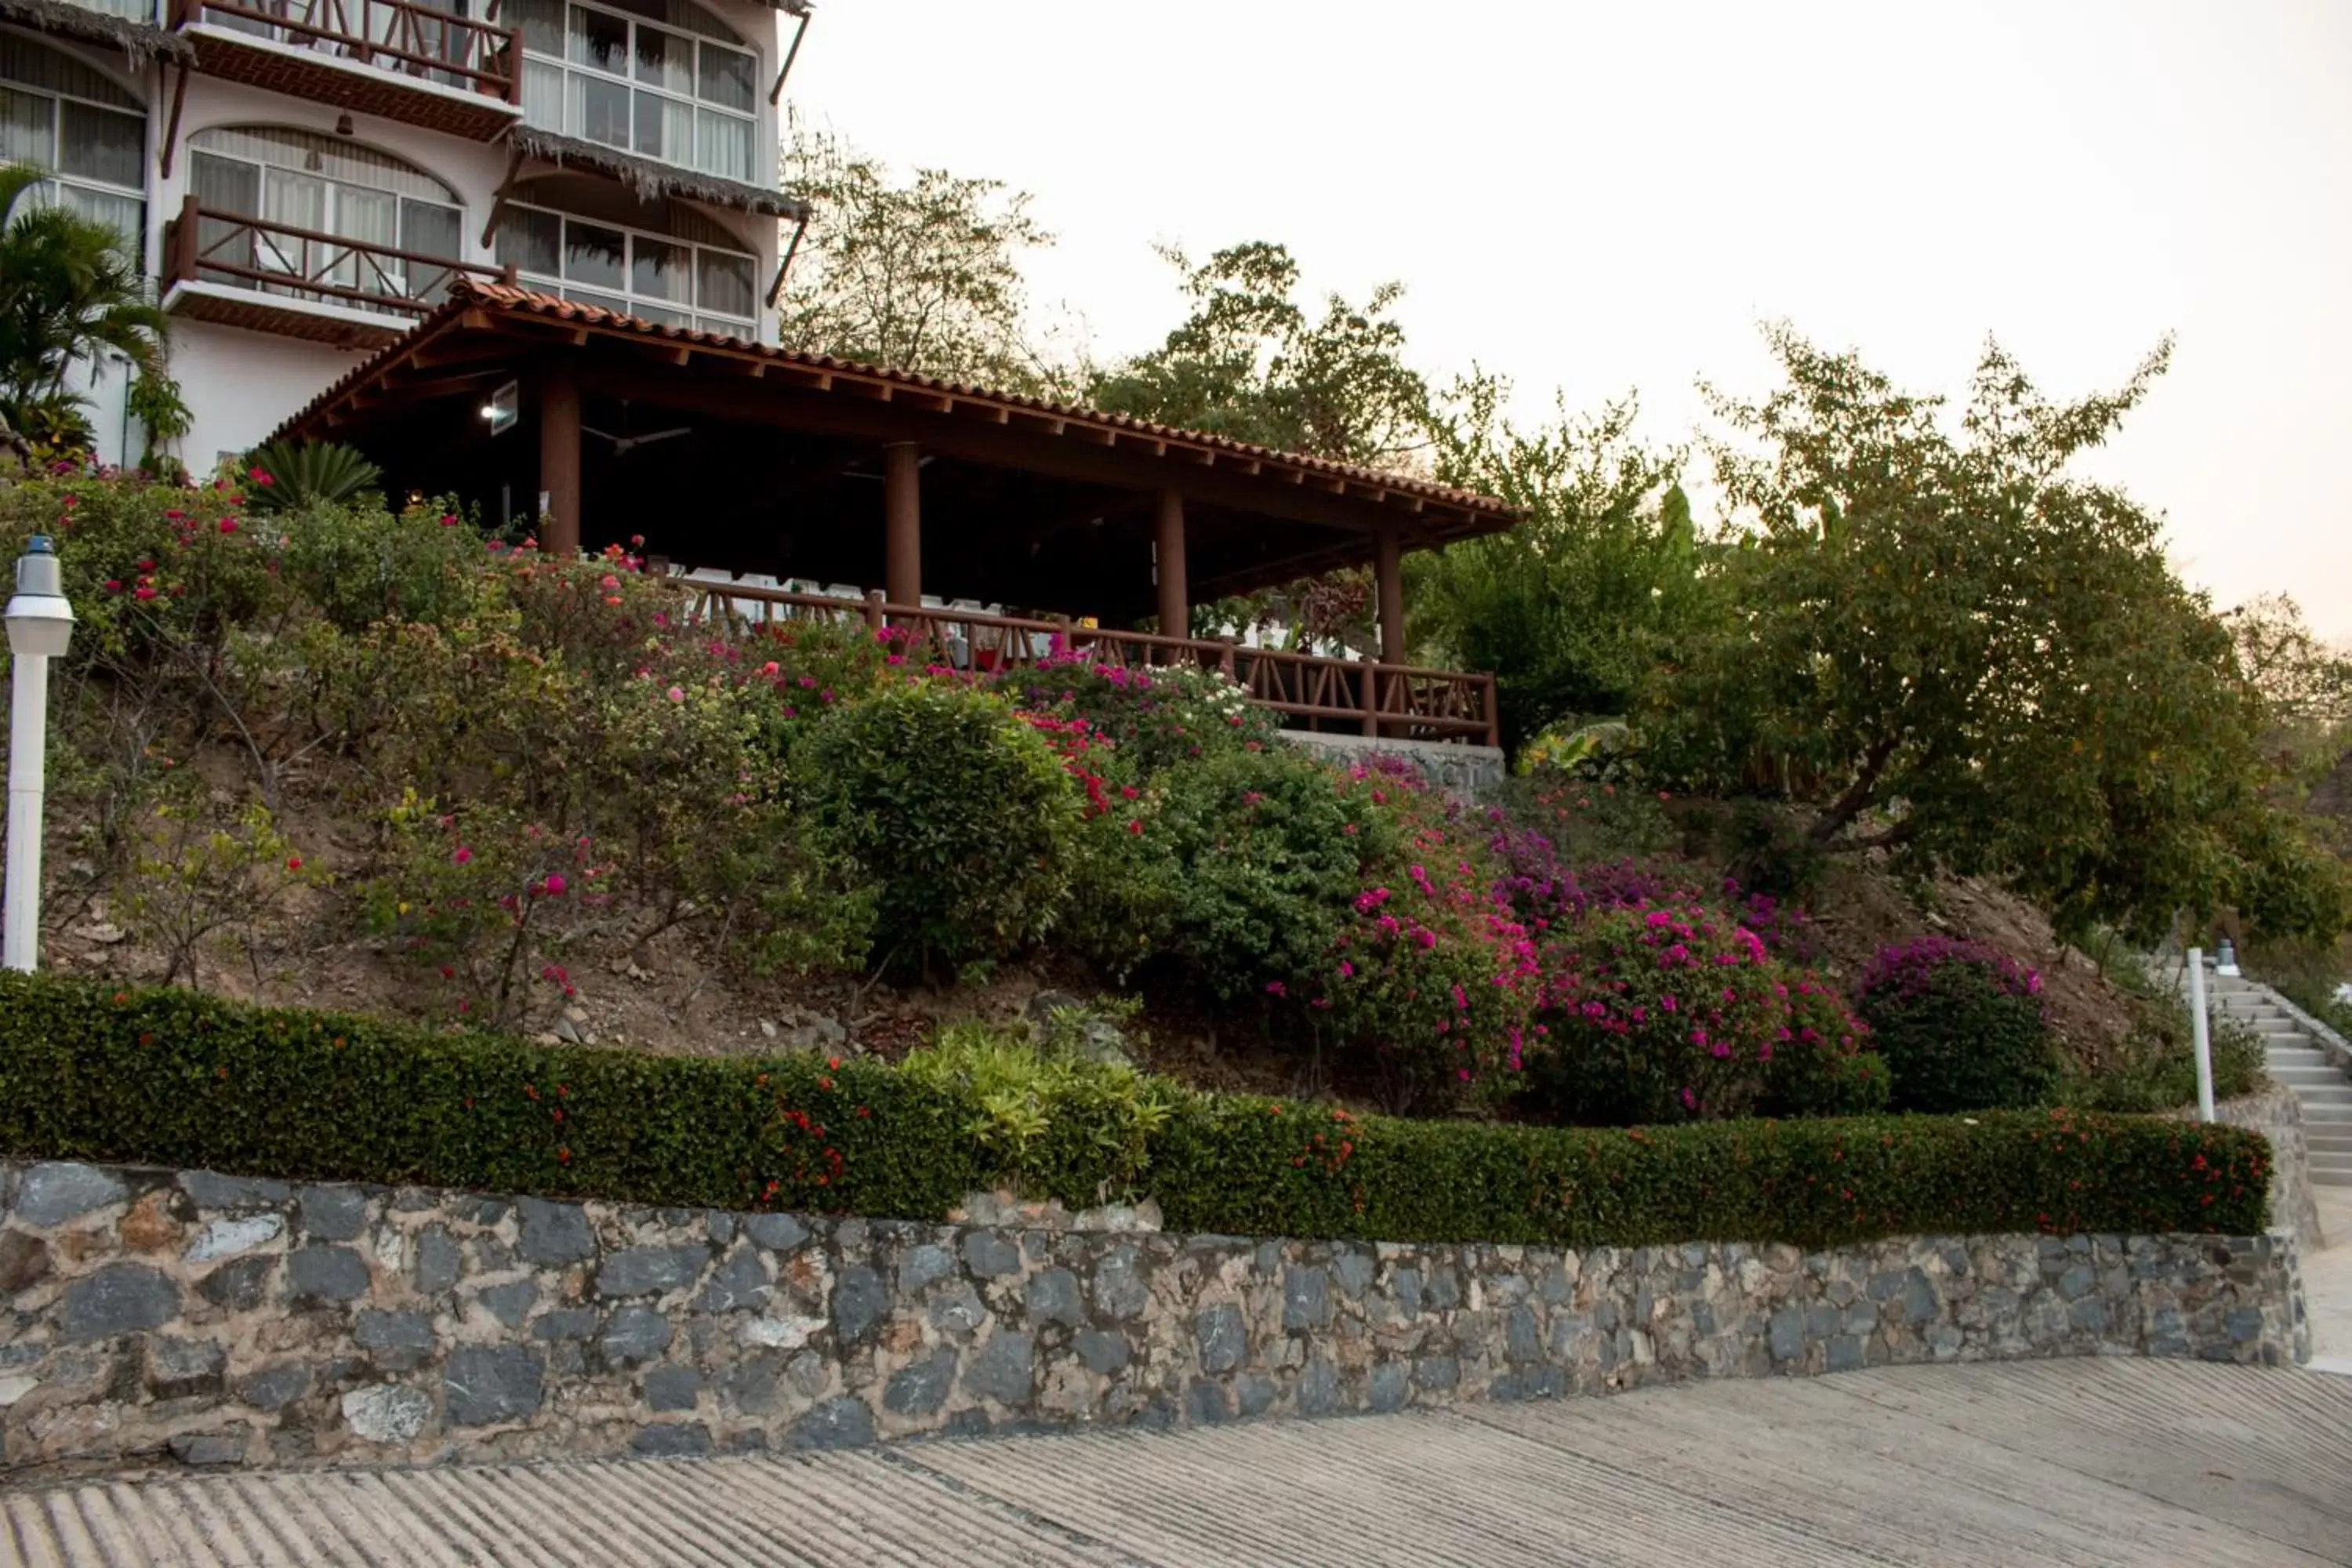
470, 293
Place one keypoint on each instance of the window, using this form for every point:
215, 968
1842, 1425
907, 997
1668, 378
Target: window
680, 90
673, 281
58, 115
322, 186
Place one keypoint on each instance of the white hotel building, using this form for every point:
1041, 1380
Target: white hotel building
305, 177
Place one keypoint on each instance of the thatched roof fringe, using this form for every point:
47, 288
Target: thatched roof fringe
142, 43
646, 180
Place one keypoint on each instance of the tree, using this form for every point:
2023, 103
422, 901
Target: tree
1951, 647
69, 290
923, 276
1251, 362
1573, 608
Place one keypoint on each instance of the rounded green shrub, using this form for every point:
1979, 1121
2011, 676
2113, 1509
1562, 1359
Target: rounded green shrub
959, 815
1960, 1025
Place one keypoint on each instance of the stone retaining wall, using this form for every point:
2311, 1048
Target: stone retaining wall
1465, 771
218, 1320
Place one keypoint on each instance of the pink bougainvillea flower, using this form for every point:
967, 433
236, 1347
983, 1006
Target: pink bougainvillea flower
144, 592
228, 525
293, 862
258, 478
1276, 988
463, 855
555, 885
677, 694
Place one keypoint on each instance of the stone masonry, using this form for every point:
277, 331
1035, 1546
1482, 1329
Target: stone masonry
154, 1316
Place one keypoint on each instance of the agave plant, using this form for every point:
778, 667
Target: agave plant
308, 473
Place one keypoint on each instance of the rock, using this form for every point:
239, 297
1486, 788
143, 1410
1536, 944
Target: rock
326, 1273
1052, 1297
273, 1388
672, 1441
842, 1423
921, 1389
860, 1302
636, 1333
1102, 1353
206, 1449
24, 1261
1255, 1395
1388, 1386
333, 1214
512, 1303
554, 1234
214, 1191
400, 1340
1220, 1337
437, 1259
240, 1286
177, 1368
741, 1285
754, 1387
229, 1238
776, 1232
55, 1193
783, 1333
958, 1310
386, 1413
120, 1298
1082, 1031
1318, 1390
673, 1388
1119, 1288
15, 1386
1003, 1368
1306, 1298
569, 1032
148, 1228
991, 1254
487, 1385
106, 933
1206, 1403
565, 1323
768, 1027
922, 1265
651, 1270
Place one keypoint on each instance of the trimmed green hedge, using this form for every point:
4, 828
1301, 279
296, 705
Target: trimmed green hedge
173, 1078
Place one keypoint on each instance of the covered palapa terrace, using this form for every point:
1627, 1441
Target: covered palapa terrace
738, 458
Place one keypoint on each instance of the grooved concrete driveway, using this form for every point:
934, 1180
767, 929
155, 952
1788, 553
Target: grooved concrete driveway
2074, 1462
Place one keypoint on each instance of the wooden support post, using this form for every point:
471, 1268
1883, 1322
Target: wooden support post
1175, 602
1369, 676
875, 599
559, 464
902, 523
1388, 572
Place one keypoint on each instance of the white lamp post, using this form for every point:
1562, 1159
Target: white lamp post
40, 625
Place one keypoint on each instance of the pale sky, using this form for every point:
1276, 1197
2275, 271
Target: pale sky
1598, 198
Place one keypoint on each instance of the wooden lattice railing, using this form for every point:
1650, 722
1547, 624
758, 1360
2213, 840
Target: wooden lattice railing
204, 245
393, 34
1400, 701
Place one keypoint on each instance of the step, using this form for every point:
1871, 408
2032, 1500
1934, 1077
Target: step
2297, 1078
2342, 1178
2279, 1056
2340, 1147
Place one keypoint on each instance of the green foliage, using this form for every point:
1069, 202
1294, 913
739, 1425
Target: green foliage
155, 402
360, 566
1574, 607
1044, 1108
70, 287
1961, 1028
200, 870
959, 813
1156, 717
288, 475
1954, 647
1252, 362
173, 1078
1258, 855
1587, 822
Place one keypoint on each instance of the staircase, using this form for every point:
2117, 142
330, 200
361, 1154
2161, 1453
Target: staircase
2299, 1062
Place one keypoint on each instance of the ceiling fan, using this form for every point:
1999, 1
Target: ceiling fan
622, 444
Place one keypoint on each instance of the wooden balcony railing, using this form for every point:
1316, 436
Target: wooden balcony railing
276, 259
1395, 701
396, 36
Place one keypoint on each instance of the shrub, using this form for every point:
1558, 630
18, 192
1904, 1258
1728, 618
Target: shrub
1962, 1026
1156, 717
173, 1078
290, 474
358, 568
1030, 1099
959, 812
1822, 1063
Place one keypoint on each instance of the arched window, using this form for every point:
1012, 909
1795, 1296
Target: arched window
313, 192
663, 78
661, 260
58, 115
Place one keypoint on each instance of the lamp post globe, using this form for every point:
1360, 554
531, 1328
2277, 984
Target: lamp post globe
40, 627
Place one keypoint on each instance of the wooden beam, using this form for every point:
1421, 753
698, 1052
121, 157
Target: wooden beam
1168, 559
171, 131
902, 522
1388, 577
558, 462
499, 202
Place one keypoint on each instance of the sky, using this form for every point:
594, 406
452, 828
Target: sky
1602, 199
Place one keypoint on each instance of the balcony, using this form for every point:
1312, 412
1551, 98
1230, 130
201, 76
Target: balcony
240, 272
1310, 692
391, 59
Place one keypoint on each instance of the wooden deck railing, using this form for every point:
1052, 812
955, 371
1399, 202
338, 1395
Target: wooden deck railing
393, 34
278, 258
1396, 700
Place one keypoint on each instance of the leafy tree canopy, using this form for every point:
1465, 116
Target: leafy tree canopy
70, 288
1573, 608
1948, 644
1253, 362
923, 275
